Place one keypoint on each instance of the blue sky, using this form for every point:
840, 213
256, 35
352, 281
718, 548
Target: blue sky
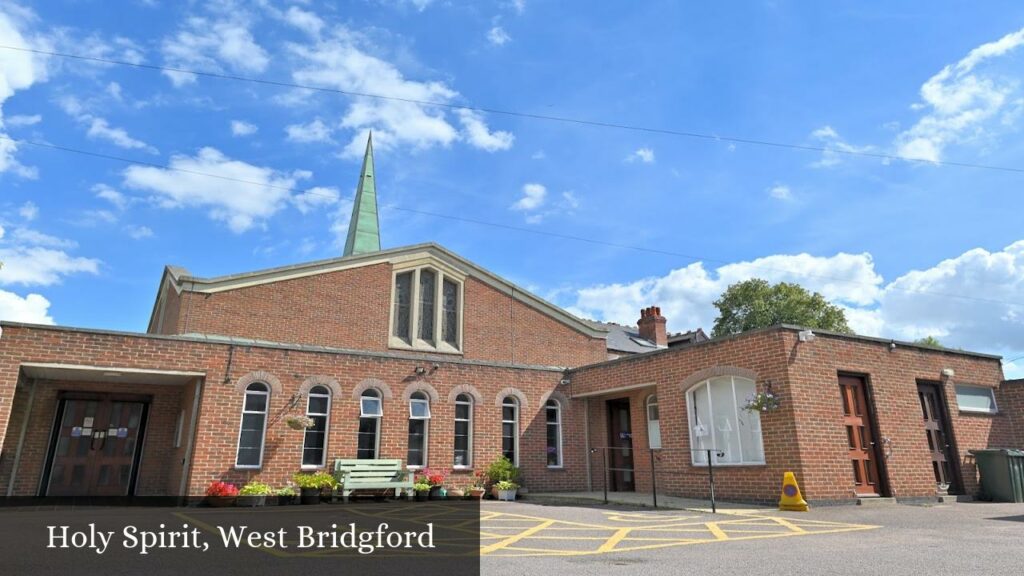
910, 248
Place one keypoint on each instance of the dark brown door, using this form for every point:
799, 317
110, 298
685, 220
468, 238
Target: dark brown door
620, 441
96, 447
862, 448
936, 428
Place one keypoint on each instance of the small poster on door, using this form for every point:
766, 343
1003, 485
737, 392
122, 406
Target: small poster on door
76, 432
122, 432
87, 422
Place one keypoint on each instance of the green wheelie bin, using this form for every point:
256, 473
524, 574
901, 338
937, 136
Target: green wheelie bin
1002, 474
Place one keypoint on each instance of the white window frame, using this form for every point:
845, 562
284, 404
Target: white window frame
691, 412
263, 434
469, 431
515, 427
426, 427
378, 417
991, 394
327, 427
557, 406
652, 400
362, 407
441, 273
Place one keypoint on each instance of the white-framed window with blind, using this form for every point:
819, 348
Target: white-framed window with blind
314, 441
370, 413
252, 429
419, 424
977, 399
653, 422
553, 421
510, 429
426, 311
718, 422
463, 456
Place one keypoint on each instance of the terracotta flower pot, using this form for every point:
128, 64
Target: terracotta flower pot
476, 493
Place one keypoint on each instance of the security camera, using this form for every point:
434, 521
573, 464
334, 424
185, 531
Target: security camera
564, 381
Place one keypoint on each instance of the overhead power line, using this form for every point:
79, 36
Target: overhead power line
534, 231
528, 115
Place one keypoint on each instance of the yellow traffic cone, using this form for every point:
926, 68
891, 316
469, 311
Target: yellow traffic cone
791, 498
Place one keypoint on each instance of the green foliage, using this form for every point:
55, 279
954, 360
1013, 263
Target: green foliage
929, 341
501, 470
506, 485
256, 489
314, 480
421, 487
286, 491
755, 303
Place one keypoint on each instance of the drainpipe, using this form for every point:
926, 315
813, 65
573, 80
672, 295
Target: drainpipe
586, 444
187, 464
21, 437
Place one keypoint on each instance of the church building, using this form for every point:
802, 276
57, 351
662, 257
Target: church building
416, 353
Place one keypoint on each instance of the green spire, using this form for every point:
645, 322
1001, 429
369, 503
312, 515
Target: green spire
364, 227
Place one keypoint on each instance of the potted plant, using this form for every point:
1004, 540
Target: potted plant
220, 494
766, 401
285, 495
422, 490
299, 422
311, 484
506, 490
253, 494
433, 479
501, 470
476, 491
456, 493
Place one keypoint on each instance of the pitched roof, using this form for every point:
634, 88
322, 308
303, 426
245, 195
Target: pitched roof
625, 338
182, 279
364, 227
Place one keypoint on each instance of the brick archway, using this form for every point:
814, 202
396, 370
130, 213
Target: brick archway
714, 371
330, 383
365, 385
260, 376
557, 396
511, 392
467, 389
420, 386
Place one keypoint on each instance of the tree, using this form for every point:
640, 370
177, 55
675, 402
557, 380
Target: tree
929, 341
755, 303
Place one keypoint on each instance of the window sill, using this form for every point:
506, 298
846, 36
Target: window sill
730, 465
311, 467
982, 413
421, 346
556, 468
462, 468
237, 467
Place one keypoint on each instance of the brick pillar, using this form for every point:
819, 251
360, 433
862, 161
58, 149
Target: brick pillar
651, 326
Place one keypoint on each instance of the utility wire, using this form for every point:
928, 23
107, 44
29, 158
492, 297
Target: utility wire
529, 115
691, 257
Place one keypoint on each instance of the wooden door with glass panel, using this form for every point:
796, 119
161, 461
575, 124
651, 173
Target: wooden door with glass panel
95, 449
863, 451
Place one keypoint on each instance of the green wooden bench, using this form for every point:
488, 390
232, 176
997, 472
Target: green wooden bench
353, 474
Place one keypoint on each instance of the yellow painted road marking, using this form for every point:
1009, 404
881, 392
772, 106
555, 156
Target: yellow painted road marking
716, 531
610, 544
512, 540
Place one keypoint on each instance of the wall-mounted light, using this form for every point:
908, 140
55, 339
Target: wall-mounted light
805, 336
948, 373
892, 345
420, 370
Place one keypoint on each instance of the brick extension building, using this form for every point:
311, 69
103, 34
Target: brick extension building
419, 354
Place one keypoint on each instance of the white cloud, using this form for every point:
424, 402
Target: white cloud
497, 36
315, 131
339, 226
31, 237
959, 100
37, 265
475, 131
205, 44
570, 200
835, 146
20, 120
534, 196
644, 154
18, 71
139, 232
33, 309
261, 193
341, 60
243, 128
314, 198
110, 195
98, 128
308, 22
29, 211
538, 155
519, 5
780, 192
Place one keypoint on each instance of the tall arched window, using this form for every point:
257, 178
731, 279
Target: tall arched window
253, 426
463, 431
553, 416
314, 444
653, 422
370, 413
419, 415
719, 422
510, 429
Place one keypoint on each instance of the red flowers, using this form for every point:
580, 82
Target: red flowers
222, 489
431, 478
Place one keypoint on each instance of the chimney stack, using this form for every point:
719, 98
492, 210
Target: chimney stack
652, 326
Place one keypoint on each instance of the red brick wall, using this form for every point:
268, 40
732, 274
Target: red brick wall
220, 409
805, 435
351, 309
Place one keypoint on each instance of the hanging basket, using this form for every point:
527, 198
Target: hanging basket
762, 402
299, 422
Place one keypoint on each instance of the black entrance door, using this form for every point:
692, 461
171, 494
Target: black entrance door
936, 427
620, 442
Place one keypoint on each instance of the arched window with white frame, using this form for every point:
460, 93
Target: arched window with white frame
553, 419
718, 422
463, 431
653, 423
253, 427
370, 413
510, 429
314, 443
419, 418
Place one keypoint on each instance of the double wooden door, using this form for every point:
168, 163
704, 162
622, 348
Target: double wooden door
95, 449
863, 450
936, 428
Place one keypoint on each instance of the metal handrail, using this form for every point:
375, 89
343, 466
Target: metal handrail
654, 459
